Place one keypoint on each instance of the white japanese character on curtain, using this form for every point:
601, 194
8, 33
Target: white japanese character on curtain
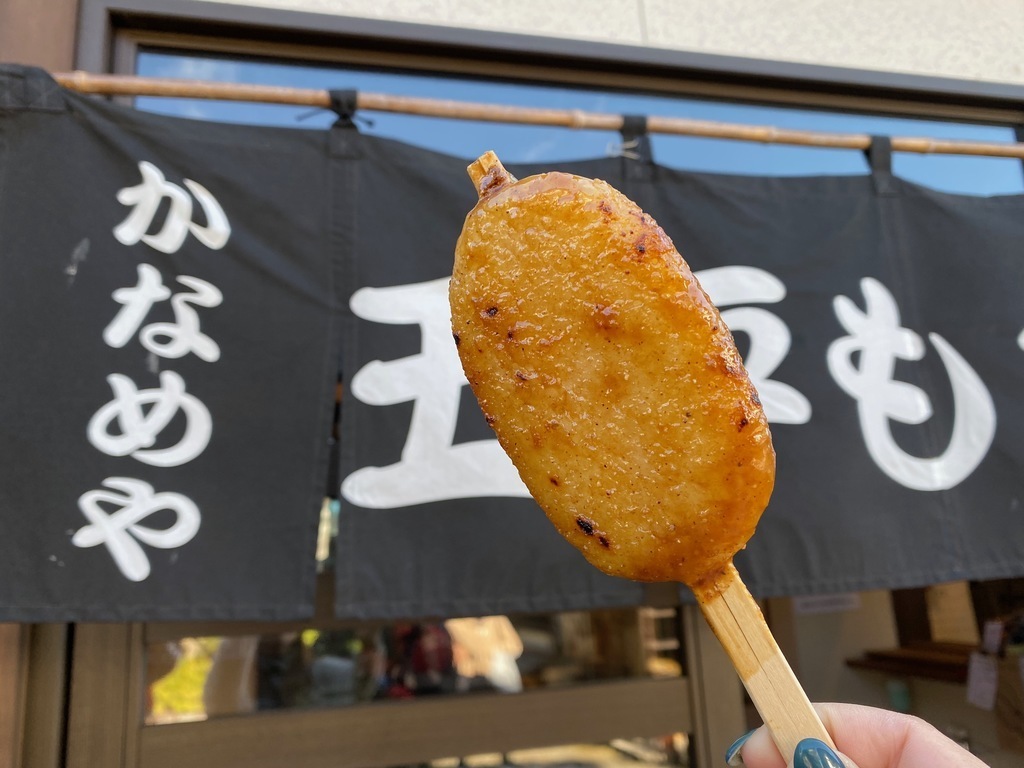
183, 335
146, 198
139, 427
135, 501
879, 340
431, 467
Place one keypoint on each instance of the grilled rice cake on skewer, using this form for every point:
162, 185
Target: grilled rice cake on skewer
611, 381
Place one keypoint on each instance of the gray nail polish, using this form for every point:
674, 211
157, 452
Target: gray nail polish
814, 753
732, 754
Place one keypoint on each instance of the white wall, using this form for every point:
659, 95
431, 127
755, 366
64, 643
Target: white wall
824, 642
966, 39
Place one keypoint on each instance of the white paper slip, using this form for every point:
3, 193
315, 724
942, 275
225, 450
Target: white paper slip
992, 638
838, 603
982, 681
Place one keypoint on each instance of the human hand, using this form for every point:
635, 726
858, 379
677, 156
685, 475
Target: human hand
866, 738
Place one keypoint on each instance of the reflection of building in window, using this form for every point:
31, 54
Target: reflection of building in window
420, 661
487, 647
347, 666
230, 686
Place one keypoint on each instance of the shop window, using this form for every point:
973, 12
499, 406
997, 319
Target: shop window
196, 678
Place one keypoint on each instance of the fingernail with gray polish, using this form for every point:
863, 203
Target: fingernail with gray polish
814, 753
732, 755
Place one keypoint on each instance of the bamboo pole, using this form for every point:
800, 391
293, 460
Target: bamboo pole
121, 85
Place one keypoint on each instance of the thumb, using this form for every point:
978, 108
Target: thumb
757, 750
814, 753
873, 738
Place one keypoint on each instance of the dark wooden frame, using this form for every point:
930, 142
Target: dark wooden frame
270, 31
107, 694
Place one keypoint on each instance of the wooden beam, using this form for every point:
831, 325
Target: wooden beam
126, 85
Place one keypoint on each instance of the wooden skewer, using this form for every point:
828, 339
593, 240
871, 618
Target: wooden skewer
740, 627
487, 173
499, 113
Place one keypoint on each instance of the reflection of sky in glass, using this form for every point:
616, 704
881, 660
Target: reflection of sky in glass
521, 143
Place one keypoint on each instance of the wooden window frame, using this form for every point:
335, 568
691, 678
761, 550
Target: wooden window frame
33, 694
109, 28
107, 693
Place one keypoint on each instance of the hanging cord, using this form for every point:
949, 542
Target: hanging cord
1019, 133
879, 157
636, 142
344, 103
119, 85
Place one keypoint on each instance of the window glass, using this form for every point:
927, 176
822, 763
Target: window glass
520, 143
195, 678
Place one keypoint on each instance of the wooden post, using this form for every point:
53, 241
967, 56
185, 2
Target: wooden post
13, 662
716, 696
105, 713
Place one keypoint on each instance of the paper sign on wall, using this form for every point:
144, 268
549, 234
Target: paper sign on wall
982, 681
